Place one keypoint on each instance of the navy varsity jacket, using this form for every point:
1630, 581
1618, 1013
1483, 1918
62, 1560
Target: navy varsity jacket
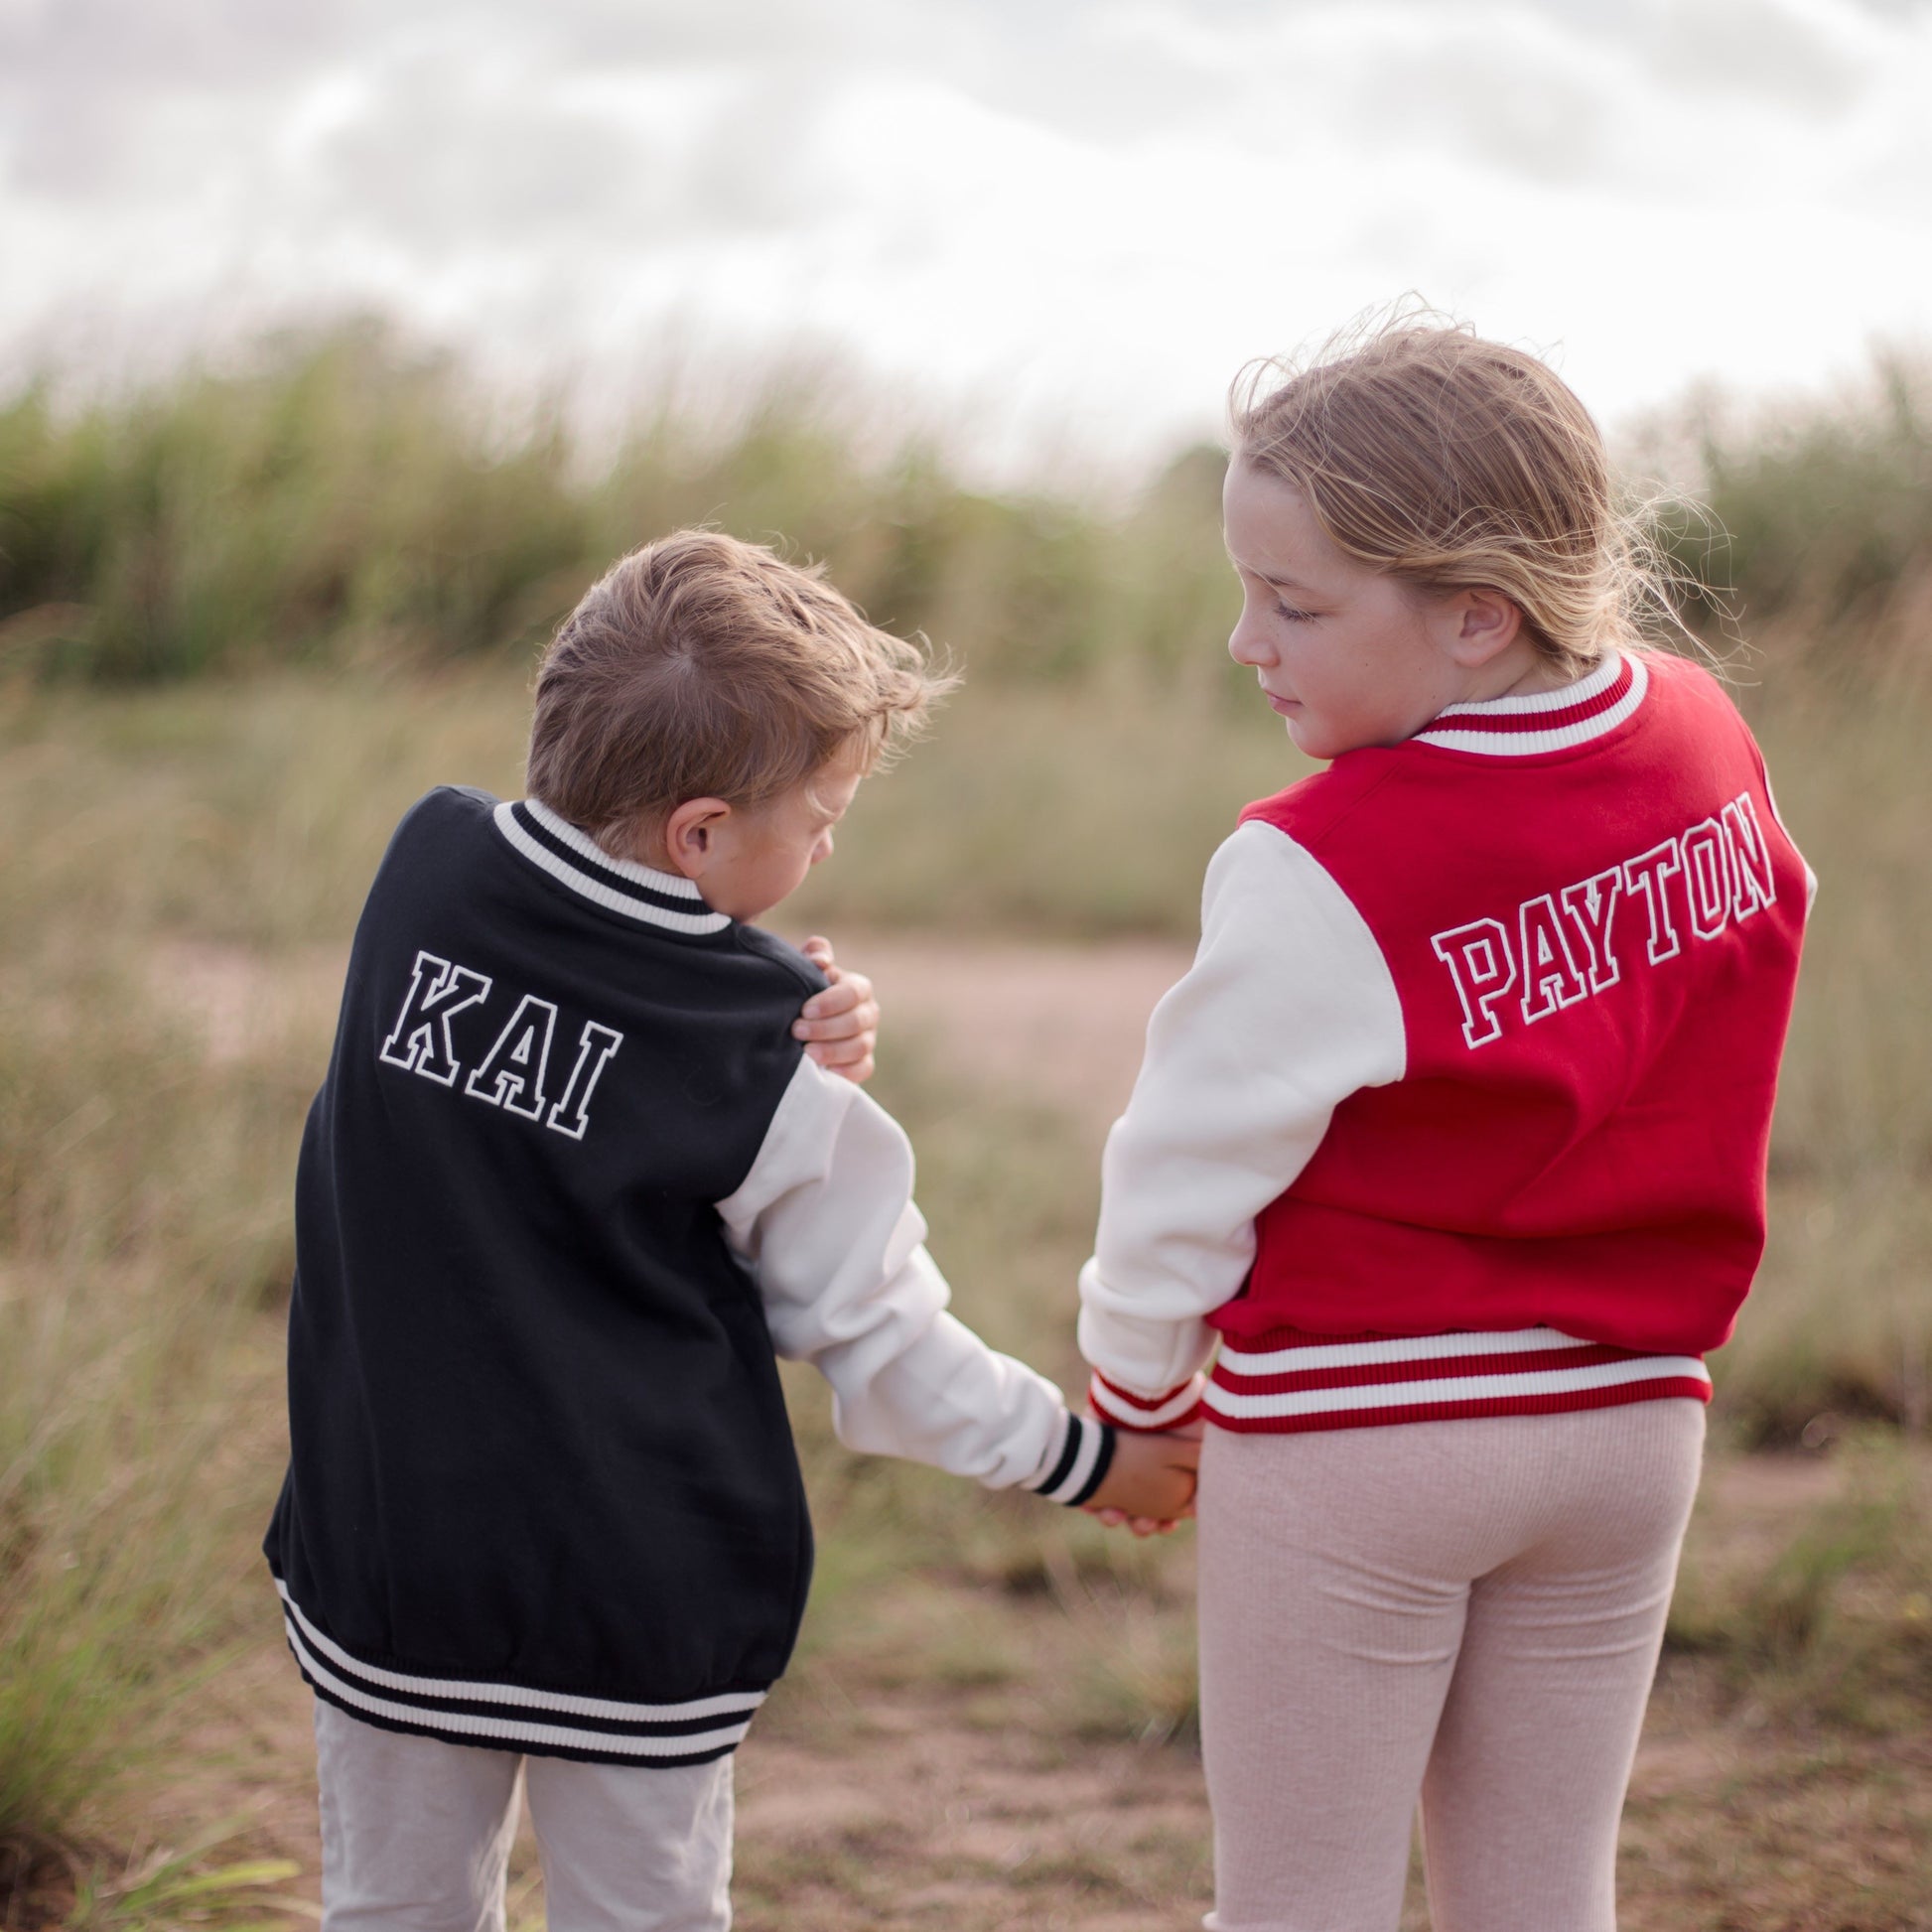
567, 1188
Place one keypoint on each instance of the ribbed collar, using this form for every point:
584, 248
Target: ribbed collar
1544, 721
641, 892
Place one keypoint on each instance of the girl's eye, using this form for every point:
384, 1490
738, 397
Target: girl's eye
1292, 616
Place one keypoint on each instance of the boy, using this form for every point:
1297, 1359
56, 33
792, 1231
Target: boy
569, 1181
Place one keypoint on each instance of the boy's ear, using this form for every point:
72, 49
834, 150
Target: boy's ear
689, 835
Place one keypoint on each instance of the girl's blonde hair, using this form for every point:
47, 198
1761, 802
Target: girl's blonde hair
1451, 462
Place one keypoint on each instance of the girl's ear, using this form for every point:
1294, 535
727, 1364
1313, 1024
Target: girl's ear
690, 835
1478, 626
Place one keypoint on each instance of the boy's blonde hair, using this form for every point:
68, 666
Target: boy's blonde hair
1451, 462
704, 668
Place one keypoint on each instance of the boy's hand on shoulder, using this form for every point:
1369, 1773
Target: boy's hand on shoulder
1148, 1486
840, 1026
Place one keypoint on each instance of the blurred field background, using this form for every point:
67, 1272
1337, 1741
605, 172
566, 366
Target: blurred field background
246, 617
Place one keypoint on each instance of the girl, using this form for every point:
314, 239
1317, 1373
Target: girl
1454, 1136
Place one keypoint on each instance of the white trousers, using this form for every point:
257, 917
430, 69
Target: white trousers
1467, 1612
416, 1836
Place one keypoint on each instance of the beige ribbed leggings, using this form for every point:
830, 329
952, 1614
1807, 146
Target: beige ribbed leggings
1470, 1612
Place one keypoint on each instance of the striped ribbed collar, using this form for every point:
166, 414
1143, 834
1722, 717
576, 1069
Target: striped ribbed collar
1544, 721
652, 897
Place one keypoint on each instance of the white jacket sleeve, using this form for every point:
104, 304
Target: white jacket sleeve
1289, 1008
825, 1223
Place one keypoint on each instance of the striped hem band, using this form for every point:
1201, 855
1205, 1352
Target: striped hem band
1288, 1382
1147, 1412
1087, 1454
514, 1716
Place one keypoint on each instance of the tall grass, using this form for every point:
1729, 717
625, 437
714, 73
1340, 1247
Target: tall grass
338, 499
1840, 1322
139, 1226
334, 498
1819, 532
1835, 1621
143, 1227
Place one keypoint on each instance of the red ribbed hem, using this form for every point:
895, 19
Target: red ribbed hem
1288, 1382
1527, 1404
1146, 1415
1562, 1359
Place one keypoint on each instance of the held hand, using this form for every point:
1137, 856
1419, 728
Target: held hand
1150, 1484
841, 1025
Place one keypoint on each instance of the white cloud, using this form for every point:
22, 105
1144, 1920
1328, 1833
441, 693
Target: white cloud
1814, 56
1093, 210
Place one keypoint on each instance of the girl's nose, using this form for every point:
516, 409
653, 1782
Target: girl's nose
1248, 643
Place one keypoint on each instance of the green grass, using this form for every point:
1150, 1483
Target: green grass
333, 500
185, 1887
1818, 520
140, 1226
1830, 1624
143, 1228
1841, 1320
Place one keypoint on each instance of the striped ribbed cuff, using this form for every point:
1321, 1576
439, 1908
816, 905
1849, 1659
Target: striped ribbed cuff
1145, 1413
1087, 1451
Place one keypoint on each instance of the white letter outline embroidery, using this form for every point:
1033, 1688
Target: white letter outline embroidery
572, 1114
438, 991
512, 1073
1483, 969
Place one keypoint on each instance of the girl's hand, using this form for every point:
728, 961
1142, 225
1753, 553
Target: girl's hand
840, 1026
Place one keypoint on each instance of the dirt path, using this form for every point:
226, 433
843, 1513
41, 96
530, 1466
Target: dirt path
1058, 1025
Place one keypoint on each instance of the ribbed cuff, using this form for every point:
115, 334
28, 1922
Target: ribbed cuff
1087, 1451
1146, 1414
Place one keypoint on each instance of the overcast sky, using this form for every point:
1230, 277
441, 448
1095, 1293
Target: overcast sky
1081, 213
